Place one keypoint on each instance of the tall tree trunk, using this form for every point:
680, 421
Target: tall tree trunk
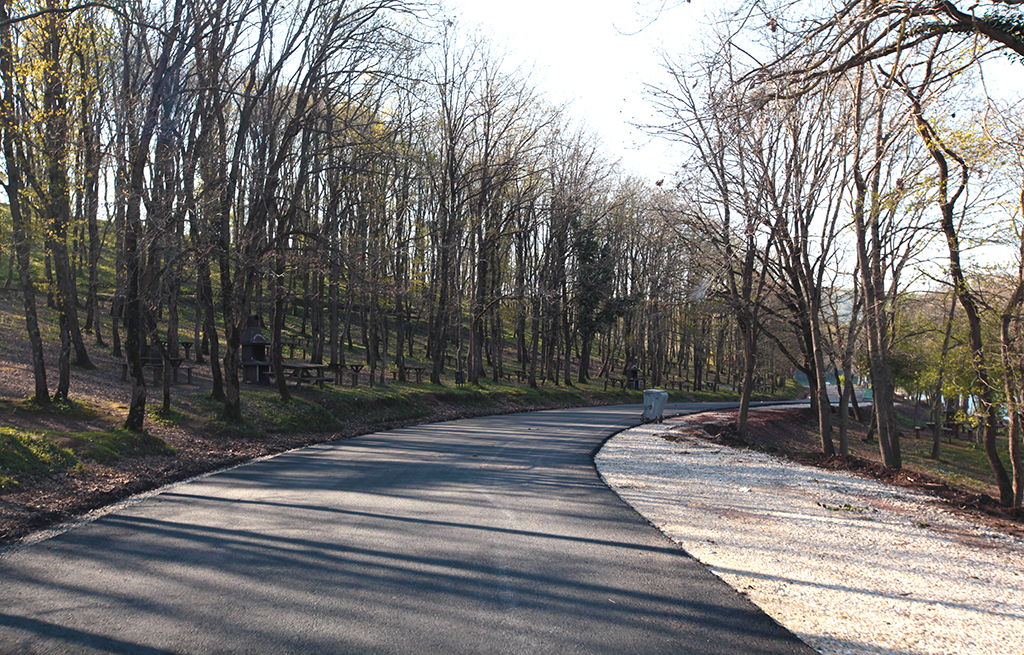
138, 149
475, 365
534, 342
439, 328
13, 188
280, 308
866, 213
847, 393
58, 199
586, 345
821, 390
748, 333
1013, 374
1013, 385
91, 139
947, 203
400, 338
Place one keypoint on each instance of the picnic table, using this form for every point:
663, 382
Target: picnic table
292, 344
355, 373
419, 372
305, 372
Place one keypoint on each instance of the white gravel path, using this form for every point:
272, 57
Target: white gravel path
848, 565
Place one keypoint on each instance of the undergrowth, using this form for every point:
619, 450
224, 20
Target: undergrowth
27, 455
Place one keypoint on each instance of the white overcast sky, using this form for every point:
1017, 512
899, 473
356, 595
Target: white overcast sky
594, 55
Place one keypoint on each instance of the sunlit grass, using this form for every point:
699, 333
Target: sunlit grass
108, 446
70, 408
24, 454
961, 463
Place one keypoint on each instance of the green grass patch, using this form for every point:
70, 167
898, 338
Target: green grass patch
65, 408
376, 405
244, 430
337, 408
961, 463
108, 446
792, 389
171, 418
23, 455
265, 412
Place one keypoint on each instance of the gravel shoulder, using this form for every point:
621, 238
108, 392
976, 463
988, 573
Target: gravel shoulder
850, 565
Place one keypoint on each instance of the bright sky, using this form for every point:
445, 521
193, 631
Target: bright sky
596, 56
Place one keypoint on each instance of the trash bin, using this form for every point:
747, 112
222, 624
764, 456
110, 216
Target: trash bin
460, 377
654, 405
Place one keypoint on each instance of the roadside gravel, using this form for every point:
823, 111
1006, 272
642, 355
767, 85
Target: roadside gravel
849, 565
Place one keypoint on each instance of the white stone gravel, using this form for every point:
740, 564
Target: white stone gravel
849, 565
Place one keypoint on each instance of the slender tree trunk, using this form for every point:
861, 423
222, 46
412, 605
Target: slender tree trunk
748, 333
567, 336
400, 338
534, 341
138, 149
876, 321
277, 320
57, 203
824, 404
1012, 387
947, 203
20, 226
1013, 376
91, 138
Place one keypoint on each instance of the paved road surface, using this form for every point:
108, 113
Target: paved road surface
491, 535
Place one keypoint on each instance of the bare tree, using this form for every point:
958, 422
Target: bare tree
453, 82
798, 158
893, 41
508, 124
147, 95
716, 128
577, 176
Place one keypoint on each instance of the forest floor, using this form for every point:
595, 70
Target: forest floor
201, 444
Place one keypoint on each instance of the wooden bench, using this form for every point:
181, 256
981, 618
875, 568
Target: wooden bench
158, 371
619, 382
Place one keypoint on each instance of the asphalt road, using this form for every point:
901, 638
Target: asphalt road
490, 535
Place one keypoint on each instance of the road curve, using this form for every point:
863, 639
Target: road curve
489, 535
